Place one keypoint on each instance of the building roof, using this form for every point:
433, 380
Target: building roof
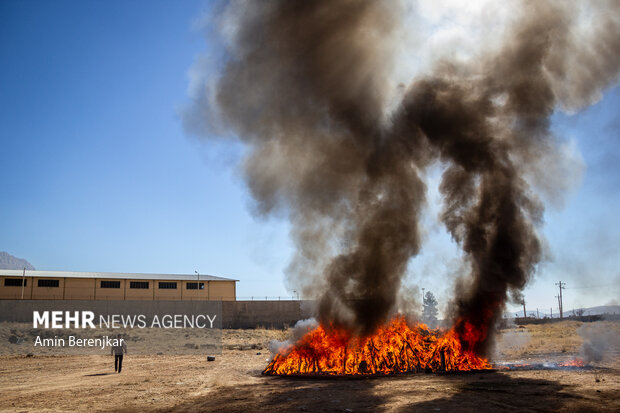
120, 275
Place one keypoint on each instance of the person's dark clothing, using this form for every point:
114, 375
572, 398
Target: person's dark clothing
118, 352
118, 362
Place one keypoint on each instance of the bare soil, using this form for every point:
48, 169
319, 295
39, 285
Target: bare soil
233, 382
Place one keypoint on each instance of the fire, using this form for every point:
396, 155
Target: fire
577, 362
393, 348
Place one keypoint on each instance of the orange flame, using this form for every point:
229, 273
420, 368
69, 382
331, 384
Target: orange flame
393, 348
577, 362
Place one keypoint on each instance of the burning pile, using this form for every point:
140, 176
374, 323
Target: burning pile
393, 348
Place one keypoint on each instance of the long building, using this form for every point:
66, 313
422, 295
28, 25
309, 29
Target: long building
65, 285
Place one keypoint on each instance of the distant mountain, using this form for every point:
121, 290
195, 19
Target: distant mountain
9, 262
603, 309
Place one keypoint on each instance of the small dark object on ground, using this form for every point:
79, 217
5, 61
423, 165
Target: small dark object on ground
210, 358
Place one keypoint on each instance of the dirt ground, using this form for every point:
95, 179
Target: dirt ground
233, 382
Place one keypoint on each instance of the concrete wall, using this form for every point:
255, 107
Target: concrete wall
267, 314
235, 314
22, 310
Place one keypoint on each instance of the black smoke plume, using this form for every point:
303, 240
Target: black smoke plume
308, 86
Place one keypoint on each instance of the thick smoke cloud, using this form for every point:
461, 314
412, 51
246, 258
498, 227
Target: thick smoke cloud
308, 86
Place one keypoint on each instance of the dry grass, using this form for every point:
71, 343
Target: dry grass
233, 382
553, 339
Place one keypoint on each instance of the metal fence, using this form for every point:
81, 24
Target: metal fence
268, 298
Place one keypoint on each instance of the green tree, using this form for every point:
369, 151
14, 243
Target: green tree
429, 312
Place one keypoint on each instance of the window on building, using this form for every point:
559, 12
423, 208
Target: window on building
15, 282
110, 284
195, 286
139, 284
167, 286
48, 283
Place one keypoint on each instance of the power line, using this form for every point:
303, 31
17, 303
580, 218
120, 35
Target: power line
592, 286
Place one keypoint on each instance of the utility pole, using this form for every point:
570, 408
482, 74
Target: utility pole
562, 286
23, 282
537, 314
524, 313
198, 285
551, 312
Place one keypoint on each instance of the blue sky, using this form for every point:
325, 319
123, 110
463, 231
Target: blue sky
99, 175
98, 172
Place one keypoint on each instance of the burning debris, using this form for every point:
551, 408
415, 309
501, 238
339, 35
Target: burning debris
575, 364
341, 149
393, 348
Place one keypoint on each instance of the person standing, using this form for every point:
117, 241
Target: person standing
118, 351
